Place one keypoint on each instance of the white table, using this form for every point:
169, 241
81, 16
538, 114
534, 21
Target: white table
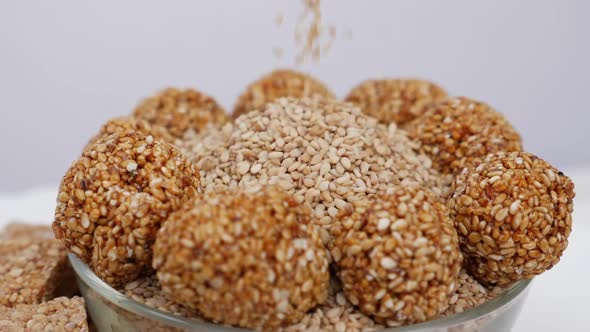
559, 300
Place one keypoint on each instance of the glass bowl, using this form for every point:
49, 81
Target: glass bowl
112, 311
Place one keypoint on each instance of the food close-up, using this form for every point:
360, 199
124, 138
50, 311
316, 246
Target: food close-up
303, 214
378, 201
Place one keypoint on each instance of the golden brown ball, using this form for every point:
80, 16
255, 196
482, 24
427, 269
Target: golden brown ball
249, 257
181, 110
277, 84
114, 198
398, 256
395, 100
131, 124
458, 130
513, 213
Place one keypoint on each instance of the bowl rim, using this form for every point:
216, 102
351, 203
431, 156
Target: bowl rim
88, 276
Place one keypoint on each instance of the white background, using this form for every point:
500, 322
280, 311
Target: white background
67, 66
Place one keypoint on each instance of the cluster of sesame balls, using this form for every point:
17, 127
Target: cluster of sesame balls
236, 229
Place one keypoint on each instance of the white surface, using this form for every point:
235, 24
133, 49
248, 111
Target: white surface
68, 66
558, 301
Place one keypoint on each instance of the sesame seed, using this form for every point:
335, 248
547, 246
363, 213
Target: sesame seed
84, 220
388, 263
383, 224
131, 167
514, 207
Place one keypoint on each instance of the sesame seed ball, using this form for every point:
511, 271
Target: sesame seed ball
513, 215
114, 198
180, 111
130, 124
458, 130
395, 100
398, 256
250, 258
277, 84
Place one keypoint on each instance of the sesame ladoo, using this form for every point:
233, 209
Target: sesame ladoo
513, 215
457, 130
326, 153
278, 84
250, 258
114, 198
130, 124
395, 100
180, 111
398, 256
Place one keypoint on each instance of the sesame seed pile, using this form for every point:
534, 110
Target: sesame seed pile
457, 130
395, 100
114, 198
147, 290
326, 153
513, 215
256, 259
278, 84
470, 293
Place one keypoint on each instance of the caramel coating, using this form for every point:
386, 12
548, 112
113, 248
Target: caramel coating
398, 256
250, 258
513, 215
113, 199
395, 100
458, 130
181, 110
130, 124
277, 84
